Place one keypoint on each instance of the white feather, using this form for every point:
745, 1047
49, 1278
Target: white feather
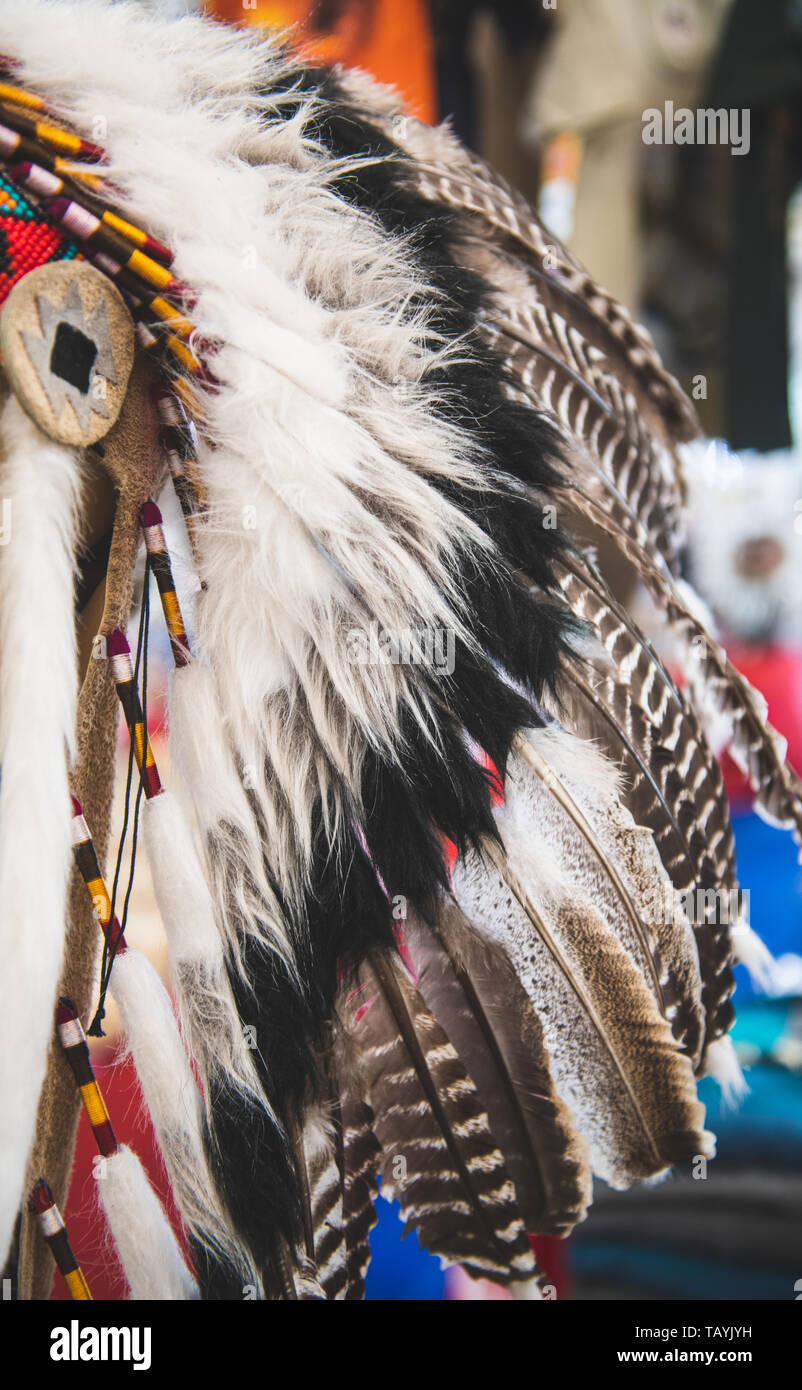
149, 1252
525, 1291
38, 691
563, 882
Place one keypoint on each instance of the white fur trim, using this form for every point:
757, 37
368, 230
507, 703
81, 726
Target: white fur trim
751, 951
38, 691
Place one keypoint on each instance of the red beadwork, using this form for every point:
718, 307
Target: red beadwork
24, 245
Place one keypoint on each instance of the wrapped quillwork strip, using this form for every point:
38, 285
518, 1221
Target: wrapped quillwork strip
104, 235
150, 519
86, 861
175, 441
52, 136
47, 183
20, 149
123, 674
76, 1050
51, 1224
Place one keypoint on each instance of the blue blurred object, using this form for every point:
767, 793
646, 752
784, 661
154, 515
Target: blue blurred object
399, 1269
767, 867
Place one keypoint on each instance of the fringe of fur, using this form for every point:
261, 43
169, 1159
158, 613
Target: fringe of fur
244, 901
149, 1252
38, 692
722, 1064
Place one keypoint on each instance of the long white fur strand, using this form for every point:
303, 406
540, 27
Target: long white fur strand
203, 759
38, 691
149, 1252
210, 1020
171, 1095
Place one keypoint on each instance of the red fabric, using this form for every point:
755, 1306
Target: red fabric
86, 1224
552, 1255
777, 673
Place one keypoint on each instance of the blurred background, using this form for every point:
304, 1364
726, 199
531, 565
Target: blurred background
703, 242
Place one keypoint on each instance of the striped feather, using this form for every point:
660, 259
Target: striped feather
613, 1058
476, 997
439, 1158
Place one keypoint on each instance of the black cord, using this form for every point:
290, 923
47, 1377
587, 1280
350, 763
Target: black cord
95, 1029
140, 789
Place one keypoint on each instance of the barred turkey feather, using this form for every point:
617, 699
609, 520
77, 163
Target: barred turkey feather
361, 1153
343, 1176
403, 408
674, 784
439, 1157
755, 746
326, 1241
476, 997
448, 174
551, 363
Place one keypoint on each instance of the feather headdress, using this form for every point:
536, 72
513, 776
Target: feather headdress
460, 916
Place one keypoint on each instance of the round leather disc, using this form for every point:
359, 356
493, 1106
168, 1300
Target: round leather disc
67, 341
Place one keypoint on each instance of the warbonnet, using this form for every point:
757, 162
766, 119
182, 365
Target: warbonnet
435, 923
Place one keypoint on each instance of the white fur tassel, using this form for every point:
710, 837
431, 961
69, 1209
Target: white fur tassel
171, 1095
211, 1022
149, 1252
38, 692
203, 759
178, 881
